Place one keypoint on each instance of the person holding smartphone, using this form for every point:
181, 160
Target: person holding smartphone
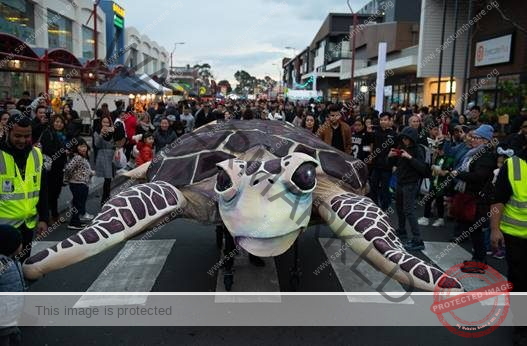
410, 165
105, 143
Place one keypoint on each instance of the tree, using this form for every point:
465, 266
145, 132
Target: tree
225, 83
251, 84
204, 73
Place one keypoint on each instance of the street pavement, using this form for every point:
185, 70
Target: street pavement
183, 257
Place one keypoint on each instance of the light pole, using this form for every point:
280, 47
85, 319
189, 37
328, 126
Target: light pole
172, 55
352, 79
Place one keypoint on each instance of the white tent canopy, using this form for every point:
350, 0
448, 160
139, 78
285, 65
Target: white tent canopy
146, 78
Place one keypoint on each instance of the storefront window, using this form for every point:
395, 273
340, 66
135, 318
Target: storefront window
59, 31
87, 43
13, 84
16, 18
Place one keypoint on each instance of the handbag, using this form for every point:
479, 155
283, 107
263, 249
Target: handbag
119, 158
425, 186
464, 207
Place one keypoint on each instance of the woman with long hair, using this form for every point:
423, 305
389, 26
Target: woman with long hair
104, 141
310, 123
55, 146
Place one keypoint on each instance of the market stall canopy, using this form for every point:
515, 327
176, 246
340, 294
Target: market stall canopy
125, 83
146, 78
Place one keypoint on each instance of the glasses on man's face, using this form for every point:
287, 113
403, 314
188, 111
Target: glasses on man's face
476, 138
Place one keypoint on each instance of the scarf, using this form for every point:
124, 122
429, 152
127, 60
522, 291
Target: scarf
465, 166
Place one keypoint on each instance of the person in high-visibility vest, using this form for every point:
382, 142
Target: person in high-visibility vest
509, 217
509, 228
23, 198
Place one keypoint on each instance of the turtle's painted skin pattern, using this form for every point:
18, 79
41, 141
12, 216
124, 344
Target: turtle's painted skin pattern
213, 176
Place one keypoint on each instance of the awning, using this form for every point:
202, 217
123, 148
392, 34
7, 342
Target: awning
125, 83
146, 78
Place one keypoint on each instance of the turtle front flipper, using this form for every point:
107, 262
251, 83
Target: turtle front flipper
122, 217
367, 231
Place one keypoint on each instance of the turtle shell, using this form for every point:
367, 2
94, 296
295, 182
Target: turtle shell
193, 157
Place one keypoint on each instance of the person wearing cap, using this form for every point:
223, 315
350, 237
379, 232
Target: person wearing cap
409, 160
509, 224
23, 199
11, 280
475, 172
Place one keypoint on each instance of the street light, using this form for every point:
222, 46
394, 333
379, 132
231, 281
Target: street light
172, 54
352, 79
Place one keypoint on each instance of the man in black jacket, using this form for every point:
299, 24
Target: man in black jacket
382, 139
411, 168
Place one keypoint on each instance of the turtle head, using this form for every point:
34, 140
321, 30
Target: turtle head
266, 204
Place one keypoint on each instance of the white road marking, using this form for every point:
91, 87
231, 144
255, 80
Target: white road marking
249, 278
134, 269
38, 246
341, 260
446, 257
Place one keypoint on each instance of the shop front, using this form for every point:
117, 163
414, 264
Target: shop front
20, 69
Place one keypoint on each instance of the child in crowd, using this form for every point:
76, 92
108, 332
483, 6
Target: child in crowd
11, 280
78, 173
145, 148
442, 165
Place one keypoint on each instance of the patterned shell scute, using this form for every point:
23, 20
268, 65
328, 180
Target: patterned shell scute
194, 156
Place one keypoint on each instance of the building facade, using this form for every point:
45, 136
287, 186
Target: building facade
144, 54
49, 46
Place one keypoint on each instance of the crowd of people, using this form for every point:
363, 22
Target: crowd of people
448, 162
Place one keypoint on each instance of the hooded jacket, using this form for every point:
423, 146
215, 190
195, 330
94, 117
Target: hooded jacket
410, 171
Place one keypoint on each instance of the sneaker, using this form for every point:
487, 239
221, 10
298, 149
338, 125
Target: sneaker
439, 223
414, 245
489, 252
87, 217
75, 227
500, 254
423, 221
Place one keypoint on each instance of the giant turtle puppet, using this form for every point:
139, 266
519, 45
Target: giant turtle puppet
266, 181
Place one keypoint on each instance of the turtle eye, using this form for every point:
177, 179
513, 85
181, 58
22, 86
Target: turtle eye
305, 177
223, 181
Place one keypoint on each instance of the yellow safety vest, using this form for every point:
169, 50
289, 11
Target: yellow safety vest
19, 197
514, 219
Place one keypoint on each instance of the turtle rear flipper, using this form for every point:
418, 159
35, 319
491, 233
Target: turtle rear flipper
367, 231
122, 217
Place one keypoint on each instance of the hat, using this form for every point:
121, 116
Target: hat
484, 131
10, 240
171, 117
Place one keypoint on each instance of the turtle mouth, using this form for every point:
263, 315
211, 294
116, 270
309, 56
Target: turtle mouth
267, 247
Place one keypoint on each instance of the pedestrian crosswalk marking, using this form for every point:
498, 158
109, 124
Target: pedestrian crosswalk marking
448, 256
351, 282
248, 278
134, 269
38, 246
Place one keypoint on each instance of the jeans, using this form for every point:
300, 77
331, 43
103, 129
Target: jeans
80, 195
405, 202
380, 188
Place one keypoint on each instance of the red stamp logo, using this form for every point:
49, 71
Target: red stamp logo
449, 308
